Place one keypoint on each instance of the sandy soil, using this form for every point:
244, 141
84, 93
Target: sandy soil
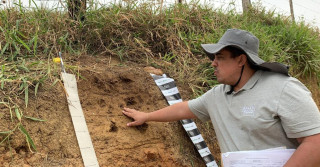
105, 87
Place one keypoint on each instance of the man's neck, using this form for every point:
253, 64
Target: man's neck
246, 75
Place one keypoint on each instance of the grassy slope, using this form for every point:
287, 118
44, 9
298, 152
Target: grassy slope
169, 39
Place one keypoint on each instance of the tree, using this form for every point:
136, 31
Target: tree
246, 4
291, 10
77, 9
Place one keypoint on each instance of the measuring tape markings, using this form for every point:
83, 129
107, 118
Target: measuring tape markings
172, 95
174, 102
79, 123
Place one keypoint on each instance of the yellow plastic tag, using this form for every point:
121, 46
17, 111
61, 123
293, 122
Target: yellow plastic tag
56, 60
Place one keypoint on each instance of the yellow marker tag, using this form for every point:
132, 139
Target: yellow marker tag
56, 60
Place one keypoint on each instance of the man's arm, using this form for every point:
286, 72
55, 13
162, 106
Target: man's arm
307, 154
174, 112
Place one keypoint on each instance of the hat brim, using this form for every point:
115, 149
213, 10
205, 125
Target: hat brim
212, 49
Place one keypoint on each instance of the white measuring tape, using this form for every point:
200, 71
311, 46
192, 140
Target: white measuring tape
172, 95
79, 123
85, 144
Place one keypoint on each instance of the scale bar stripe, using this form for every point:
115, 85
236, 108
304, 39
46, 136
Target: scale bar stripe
204, 152
170, 92
190, 126
196, 139
172, 95
167, 86
193, 132
208, 158
201, 145
156, 77
212, 164
174, 102
186, 121
162, 81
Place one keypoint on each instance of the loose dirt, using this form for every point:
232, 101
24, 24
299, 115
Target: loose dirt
105, 86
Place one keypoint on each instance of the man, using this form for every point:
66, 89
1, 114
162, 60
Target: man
257, 105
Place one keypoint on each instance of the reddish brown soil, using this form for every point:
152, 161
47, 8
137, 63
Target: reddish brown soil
105, 87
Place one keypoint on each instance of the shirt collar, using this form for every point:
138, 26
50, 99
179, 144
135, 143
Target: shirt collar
249, 85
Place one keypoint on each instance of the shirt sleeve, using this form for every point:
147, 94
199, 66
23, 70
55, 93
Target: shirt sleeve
297, 110
199, 106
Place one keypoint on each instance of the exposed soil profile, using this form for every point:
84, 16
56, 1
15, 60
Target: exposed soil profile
105, 87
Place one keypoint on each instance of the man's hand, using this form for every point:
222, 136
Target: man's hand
139, 117
174, 112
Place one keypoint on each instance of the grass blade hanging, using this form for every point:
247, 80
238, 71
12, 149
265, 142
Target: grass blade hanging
28, 138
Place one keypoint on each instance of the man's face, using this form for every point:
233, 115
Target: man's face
227, 69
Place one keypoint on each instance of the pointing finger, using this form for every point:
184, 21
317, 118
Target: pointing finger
126, 113
129, 109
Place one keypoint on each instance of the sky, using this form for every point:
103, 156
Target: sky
306, 10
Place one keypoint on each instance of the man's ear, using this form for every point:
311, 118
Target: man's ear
242, 60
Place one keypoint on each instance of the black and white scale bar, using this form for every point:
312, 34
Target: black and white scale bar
172, 95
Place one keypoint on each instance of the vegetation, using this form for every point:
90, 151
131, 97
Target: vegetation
167, 38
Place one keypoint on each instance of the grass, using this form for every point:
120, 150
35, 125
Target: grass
168, 38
